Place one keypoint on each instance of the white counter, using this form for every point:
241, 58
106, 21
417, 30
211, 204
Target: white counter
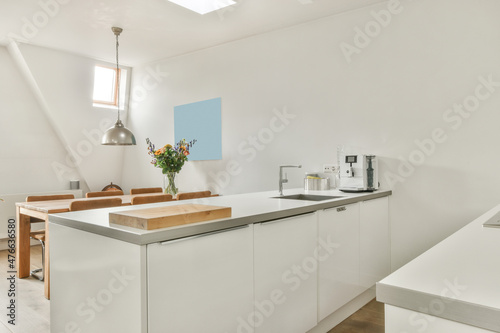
272, 266
457, 280
246, 209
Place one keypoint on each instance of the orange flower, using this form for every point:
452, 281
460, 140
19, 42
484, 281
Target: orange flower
160, 151
186, 153
183, 147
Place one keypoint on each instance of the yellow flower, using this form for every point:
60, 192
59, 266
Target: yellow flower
168, 146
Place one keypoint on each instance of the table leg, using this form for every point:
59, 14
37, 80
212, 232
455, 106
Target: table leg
46, 273
22, 244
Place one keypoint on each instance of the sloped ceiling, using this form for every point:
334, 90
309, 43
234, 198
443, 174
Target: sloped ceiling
153, 29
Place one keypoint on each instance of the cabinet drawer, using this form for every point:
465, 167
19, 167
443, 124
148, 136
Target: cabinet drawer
338, 280
286, 275
375, 256
202, 283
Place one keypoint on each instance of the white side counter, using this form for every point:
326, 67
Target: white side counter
453, 287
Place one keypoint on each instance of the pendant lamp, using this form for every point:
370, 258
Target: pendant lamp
118, 135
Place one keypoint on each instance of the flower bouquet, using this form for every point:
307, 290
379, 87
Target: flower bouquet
170, 160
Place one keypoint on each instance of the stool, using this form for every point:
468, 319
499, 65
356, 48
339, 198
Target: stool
40, 236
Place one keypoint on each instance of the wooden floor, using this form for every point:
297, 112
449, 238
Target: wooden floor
368, 319
33, 310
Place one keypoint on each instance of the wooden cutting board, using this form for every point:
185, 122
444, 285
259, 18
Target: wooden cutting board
168, 216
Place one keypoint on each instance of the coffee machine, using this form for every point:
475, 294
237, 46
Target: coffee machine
358, 173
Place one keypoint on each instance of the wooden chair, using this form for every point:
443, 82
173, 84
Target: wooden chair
145, 199
94, 204
103, 193
39, 235
146, 190
49, 197
193, 195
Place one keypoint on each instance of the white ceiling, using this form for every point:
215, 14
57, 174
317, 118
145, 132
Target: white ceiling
153, 29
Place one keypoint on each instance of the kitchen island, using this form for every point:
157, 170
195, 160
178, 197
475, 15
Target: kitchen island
453, 287
274, 265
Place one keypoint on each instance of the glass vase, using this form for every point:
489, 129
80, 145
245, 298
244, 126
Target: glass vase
169, 184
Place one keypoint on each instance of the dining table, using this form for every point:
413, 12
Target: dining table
39, 211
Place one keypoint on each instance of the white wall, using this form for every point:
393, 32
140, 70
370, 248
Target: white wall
50, 132
66, 83
393, 93
29, 144
55, 131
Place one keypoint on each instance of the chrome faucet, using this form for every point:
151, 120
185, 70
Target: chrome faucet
284, 179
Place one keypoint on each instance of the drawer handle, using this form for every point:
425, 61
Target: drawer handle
338, 209
204, 234
284, 219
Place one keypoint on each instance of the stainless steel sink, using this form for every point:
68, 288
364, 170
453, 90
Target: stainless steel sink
308, 197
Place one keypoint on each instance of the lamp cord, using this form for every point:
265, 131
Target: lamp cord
117, 80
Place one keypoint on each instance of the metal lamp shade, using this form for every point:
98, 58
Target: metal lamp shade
118, 135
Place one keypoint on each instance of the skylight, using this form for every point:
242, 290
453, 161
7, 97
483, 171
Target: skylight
203, 6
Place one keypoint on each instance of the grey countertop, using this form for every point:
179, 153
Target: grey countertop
246, 208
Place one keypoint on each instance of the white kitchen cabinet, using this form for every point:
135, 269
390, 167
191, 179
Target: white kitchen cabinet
257, 279
375, 256
339, 266
97, 284
285, 272
202, 283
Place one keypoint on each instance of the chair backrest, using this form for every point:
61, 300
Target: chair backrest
144, 199
94, 204
103, 193
146, 190
193, 195
49, 197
